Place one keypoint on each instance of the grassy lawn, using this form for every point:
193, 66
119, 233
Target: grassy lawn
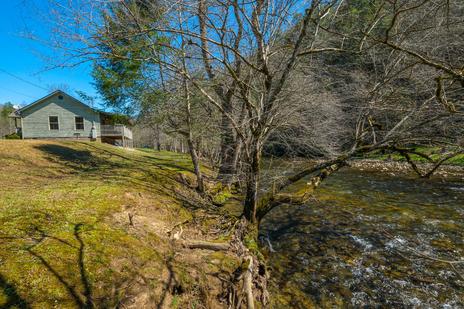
65, 236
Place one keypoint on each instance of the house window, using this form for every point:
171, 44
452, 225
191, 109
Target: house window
53, 122
79, 123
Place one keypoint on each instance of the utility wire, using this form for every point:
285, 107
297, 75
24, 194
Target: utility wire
22, 79
14, 91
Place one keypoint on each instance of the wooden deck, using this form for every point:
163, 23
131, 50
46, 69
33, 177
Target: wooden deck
116, 134
115, 131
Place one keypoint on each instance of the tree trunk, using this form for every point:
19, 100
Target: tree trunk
228, 168
252, 185
237, 152
199, 148
196, 164
157, 138
189, 135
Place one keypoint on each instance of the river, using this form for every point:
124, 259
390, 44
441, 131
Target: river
369, 240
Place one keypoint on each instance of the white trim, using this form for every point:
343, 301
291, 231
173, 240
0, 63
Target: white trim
22, 128
59, 124
75, 123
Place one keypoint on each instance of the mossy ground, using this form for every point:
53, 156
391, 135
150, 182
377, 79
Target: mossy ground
65, 236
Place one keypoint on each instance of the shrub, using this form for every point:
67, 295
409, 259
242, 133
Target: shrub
13, 136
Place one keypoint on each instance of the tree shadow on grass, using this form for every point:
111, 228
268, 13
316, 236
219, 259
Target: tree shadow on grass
13, 300
142, 173
170, 282
156, 175
84, 299
79, 160
170, 164
73, 275
158, 162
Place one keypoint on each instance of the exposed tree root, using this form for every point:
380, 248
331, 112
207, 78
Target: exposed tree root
248, 283
206, 245
251, 278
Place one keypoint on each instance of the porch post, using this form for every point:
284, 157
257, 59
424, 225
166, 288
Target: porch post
22, 128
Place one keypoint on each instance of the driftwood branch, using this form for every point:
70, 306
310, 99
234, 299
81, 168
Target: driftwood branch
276, 197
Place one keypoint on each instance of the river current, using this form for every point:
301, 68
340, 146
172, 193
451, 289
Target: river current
369, 240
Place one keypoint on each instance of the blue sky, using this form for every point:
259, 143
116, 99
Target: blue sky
19, 56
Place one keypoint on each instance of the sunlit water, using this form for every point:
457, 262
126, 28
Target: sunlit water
370, 240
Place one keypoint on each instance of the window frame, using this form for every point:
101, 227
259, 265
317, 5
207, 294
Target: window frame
75, 123
50, 123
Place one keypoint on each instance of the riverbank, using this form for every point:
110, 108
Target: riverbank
433, 153
397, 168
92, 225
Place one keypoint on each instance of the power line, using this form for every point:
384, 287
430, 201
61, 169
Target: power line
14, 91
23, 80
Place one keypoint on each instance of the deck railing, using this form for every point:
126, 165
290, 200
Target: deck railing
115, 130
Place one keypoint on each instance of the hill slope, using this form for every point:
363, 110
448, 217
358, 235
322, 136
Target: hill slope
88, 225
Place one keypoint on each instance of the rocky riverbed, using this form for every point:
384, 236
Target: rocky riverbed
395, 168
371, 239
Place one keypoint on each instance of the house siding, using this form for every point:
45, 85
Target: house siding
35, 119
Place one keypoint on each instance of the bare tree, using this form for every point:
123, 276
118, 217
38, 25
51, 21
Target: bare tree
242, 57
342, 82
